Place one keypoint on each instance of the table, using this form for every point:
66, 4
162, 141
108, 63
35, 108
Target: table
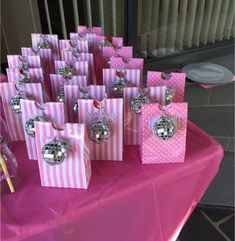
126, 201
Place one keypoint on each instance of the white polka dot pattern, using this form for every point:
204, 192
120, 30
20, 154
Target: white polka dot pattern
156, 150
176, 81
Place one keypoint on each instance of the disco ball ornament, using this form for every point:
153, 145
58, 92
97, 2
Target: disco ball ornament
60, 97
67, 72
54, 152
75, 107
100, 132
15, 103
164, 128
24, 66
25, 80
137, 103
168, 96
117, 88
43, 45
29, 125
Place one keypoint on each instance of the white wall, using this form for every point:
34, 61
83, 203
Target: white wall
19, 18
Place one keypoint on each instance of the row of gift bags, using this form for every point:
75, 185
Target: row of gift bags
64, 148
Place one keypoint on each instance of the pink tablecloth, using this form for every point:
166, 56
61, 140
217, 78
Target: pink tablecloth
126, 201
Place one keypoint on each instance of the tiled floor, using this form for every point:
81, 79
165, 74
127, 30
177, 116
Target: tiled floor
209, 224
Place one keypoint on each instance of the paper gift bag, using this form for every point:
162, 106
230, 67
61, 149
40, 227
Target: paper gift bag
79, 67
112, 112
110, 76
132, 120
75, 169
129, 63
69, 57
74, 92
24, 62
163, 133
51, 39
174, 81
74, 45
99, 43
58, 82
14, 120
86, 30
50, 111
35, 75
46, 58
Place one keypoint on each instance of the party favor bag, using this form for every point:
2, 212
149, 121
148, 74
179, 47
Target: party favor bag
75, 46
46, 41
11, 95
111, 78
163, 133
74, 92
78, 68
133, 99
24, 62
173, 81
104, 121
32, 75
63, 155
86, 30
70, 57
127, 63
33, 111
58, 82
99, 43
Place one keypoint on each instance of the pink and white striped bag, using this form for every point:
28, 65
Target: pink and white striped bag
175, 81
132, 121
75, 170
70, 58
72, 94
16, 61
34, 74
46, 58
131, 63
50, 111
81, 45
80, 67
58, 82
113, 149
154, 149
110, 76
98, 53
14, 120
52, 39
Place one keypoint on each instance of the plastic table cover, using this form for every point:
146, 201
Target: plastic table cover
126, 201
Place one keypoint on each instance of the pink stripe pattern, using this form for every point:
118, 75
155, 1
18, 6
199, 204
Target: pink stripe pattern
75, 170
68, 57
113, 149
14, 121
176, 81
72, 94
58, 82
52, 40
82, 45
98, 55
32, 61
133, 63
110, 77
51, 111
132, 121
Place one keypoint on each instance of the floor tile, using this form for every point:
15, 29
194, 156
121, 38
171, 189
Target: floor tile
228, 228
216, 214
199, 229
